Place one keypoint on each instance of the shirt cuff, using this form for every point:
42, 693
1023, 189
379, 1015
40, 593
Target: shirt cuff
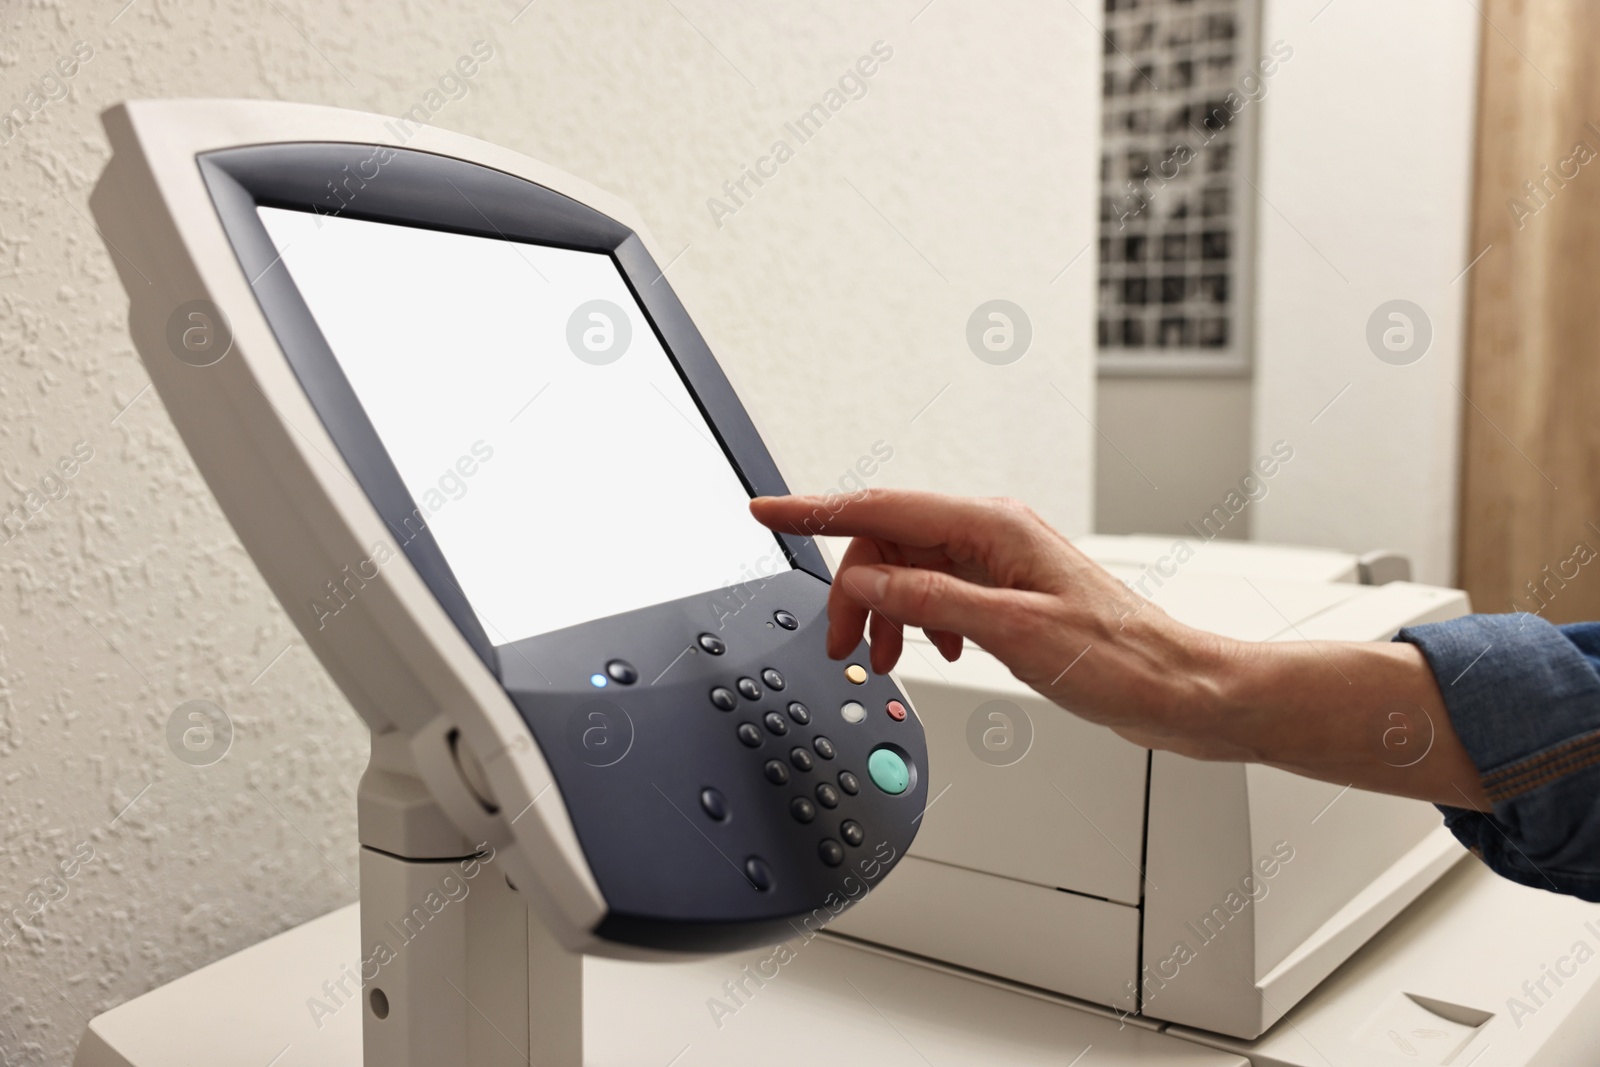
1525, 702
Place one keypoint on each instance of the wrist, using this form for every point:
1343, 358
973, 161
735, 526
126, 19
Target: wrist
1219, 714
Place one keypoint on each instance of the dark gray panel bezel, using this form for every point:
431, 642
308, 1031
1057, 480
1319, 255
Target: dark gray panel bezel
425, 190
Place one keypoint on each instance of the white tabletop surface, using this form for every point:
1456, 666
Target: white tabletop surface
831, 1004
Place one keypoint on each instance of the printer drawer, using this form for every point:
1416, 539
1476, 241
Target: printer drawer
1021, 788
1055, 940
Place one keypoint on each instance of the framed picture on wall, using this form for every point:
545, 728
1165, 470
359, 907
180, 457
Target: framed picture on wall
1183, 82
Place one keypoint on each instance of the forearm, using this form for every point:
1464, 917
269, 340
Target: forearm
1368, 715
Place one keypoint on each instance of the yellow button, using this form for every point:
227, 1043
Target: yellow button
856, 673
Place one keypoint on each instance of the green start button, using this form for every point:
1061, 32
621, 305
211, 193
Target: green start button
888, 771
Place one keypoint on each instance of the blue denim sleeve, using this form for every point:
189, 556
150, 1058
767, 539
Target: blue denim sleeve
1524, 697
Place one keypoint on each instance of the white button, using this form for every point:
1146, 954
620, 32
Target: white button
853, 711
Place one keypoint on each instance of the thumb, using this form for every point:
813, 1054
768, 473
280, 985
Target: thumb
912, 596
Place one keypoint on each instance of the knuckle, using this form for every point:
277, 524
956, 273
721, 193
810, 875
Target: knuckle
923, 591
1011, 615
1014, 510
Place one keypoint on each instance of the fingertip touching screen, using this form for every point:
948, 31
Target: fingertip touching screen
546, 437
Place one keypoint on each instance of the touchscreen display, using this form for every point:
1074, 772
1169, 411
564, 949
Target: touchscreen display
547, 440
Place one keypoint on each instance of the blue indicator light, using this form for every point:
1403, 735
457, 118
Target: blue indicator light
598, 681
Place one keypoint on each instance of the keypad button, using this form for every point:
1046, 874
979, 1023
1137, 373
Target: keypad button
852, 833
776, 723
853, 711
827, 795
759, 874
749, 734
830, 852
722, 698
799, 712
785, 619
856, 673
824, 748
622, 672
849, 783
776, 772
802, 809
896, 710
714, 804
712, 644
773, 679
748, 688
800, 758
889, 771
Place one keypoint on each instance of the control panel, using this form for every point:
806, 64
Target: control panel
727, 779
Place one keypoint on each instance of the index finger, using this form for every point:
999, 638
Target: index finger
905, 516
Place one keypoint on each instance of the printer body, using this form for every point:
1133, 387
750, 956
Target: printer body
1166, 889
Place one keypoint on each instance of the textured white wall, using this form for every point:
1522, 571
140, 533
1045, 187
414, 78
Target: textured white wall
839, 293
1365, 179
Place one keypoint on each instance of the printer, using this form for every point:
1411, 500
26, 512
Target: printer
1056, 854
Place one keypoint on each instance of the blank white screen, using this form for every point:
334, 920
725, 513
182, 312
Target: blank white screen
558, 490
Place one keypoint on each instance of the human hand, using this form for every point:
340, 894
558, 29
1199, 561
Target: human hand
993, 572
